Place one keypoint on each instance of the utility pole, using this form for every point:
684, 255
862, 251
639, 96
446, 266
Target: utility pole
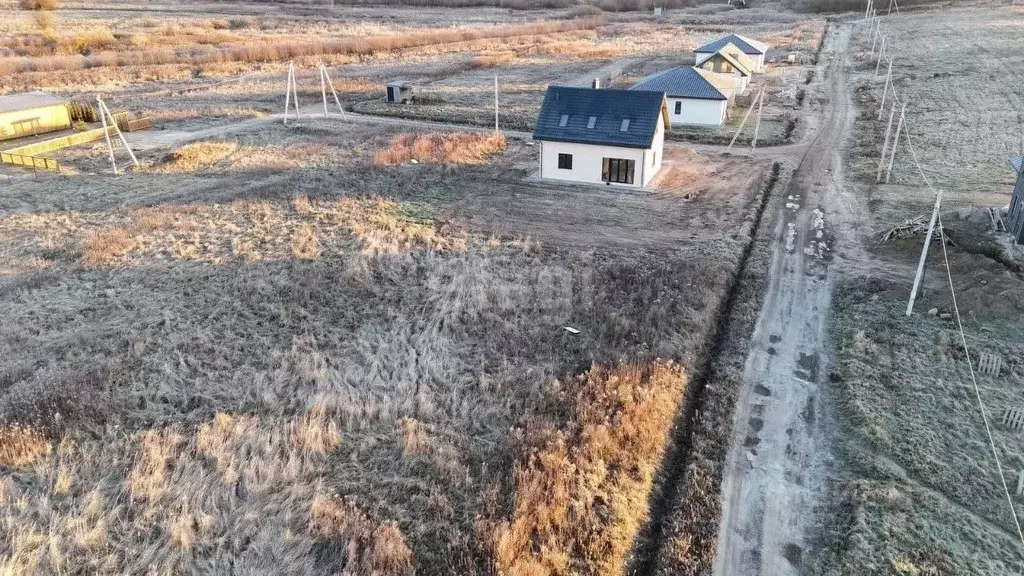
895, 141
924, 253
880, 52
323, 84
885, 91
496, 103
113, 122
106, 134
323, 70
288, 93
885, 145
757, 126
874, 38
744, 121
291, 93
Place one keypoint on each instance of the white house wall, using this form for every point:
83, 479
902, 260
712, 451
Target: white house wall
758, 62
654, 156
697, 111
587, 160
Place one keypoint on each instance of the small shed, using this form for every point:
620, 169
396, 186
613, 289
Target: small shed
400, 92
31, 113
1015, 215
695, 97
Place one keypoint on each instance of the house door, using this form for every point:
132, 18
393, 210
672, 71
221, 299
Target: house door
618, 170
391, 94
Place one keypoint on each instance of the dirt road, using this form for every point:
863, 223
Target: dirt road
775, 469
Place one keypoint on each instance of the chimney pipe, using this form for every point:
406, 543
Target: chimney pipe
596, 84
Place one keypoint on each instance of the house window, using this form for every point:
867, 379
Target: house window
565, 161
563, 120
679, 107
591, 122
624, 126
617, 170
726, 67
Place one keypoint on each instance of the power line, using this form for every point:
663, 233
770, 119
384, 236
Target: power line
956, 311
974, 380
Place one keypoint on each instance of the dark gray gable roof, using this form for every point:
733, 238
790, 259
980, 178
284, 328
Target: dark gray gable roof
716, 45
1017, 163
681, 82
643, 110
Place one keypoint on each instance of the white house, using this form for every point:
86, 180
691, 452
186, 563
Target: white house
695, 97
732, 61
752, 48
601, 136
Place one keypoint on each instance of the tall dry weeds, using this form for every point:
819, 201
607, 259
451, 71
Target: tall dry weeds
581, 490
269, 52
441, 148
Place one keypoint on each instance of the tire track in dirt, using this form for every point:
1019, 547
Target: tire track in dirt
775, 468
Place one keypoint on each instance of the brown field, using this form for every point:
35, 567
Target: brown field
381, 345
291, 350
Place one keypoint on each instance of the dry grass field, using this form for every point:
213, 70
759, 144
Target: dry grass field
291, 350
920, 492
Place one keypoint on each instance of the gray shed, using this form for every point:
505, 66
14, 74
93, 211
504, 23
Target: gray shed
400, 91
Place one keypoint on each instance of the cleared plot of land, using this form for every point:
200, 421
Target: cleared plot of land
263, 352
920, 491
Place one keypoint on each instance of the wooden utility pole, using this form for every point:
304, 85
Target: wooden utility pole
113, 122
895, 141
288, 93
496, 103
291, 93
885, 90
323, 86
106, 134
757, 126
924, 253
744, 121
874, 37
885, 145
330, 83
880, 52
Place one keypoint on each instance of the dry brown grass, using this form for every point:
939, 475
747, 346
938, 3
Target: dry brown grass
441, 148
267, 51
370, 549
103, 246
38, 4
491, 59
196, 156
581, 492
21, 446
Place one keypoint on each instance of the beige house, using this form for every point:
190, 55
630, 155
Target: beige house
732, 61
31, 113
754, 50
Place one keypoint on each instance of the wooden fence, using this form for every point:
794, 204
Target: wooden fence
34, 162
62, 142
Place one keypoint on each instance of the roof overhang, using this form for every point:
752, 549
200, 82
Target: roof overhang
592, 143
